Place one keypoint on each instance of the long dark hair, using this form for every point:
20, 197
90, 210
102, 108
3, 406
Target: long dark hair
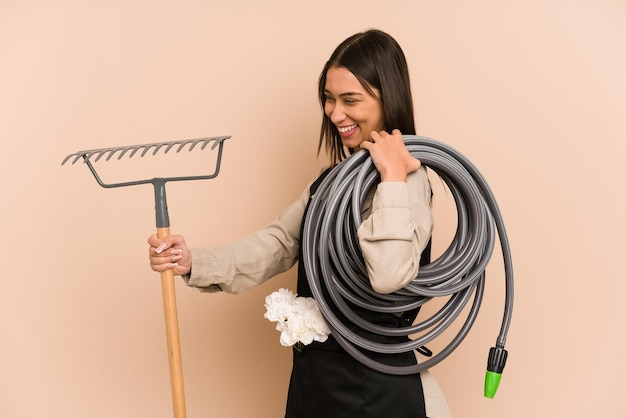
377, 61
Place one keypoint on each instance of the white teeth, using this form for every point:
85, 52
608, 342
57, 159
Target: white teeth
346, 128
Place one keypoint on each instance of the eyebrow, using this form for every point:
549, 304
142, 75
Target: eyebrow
349, 93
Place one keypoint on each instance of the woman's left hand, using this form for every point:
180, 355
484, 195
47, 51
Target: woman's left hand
390, 155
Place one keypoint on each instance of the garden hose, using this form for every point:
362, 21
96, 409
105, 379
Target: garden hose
333, 261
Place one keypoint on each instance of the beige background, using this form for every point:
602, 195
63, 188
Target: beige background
533, 92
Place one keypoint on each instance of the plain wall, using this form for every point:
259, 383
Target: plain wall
533, 92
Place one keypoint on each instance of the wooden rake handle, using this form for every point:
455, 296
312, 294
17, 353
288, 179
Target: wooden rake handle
173, 338
162, 223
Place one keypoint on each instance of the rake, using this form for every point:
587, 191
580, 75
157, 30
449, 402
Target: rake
163, 230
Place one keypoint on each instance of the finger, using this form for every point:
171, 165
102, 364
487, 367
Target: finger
163, 245
175, 254
366, 145
413, 165
170, 256
157, 245
163, 267
153, 240
154, 251
375, 136
159, 259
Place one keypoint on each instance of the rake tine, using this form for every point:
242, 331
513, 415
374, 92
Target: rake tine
112, 153
157, 148
135, 149
169, 147
99, 154
123, 152
108, 153
146, 148
181, 145
76, 158
206, 142
193, 145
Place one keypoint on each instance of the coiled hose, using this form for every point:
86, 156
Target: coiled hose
333, 261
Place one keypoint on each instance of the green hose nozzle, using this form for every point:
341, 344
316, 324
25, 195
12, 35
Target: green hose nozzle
495, 365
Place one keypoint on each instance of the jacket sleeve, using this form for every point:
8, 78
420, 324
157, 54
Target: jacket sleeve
253, 259
396, 230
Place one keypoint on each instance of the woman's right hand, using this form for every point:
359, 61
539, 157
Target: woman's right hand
390, 155
170, 252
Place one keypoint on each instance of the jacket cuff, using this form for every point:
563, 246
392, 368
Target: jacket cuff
203, 275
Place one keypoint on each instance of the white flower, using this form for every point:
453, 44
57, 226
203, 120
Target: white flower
298, 319
279, 305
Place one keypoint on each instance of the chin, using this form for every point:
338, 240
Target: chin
352, 143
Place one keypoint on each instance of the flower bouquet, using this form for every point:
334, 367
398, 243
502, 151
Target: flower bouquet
298, 319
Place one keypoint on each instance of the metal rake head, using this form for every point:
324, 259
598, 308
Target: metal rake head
162, 217
93, 155
131, 150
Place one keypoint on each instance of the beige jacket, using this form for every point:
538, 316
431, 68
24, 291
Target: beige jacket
397, 224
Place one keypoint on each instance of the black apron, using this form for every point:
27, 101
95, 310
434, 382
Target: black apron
327, 382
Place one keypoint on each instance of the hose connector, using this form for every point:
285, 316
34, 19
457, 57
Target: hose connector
495, 366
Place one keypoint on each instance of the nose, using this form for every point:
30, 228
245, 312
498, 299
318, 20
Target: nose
335, 112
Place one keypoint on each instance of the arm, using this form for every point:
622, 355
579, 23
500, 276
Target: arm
396, 231
253, 259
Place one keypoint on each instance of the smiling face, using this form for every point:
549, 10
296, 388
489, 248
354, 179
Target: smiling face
351, 108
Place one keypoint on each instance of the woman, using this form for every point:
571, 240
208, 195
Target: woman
365, 94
